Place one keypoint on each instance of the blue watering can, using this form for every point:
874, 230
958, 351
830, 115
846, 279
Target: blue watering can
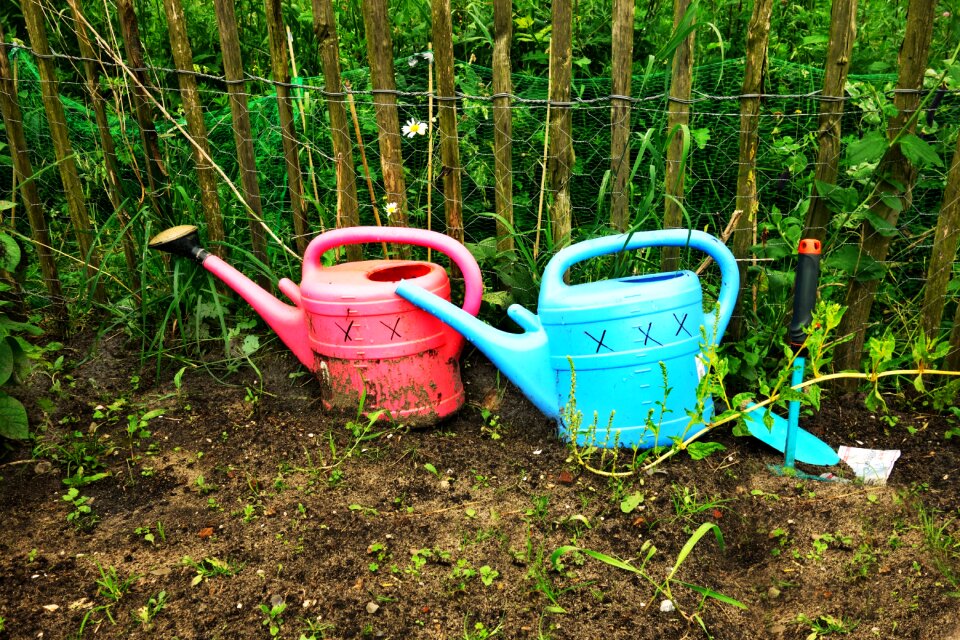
629, 340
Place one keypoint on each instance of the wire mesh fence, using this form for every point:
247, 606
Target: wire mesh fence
788, 148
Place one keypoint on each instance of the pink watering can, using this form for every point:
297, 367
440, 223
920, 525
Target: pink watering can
348, 326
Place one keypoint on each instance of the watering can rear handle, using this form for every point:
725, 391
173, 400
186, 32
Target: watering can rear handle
552, 284
473, 280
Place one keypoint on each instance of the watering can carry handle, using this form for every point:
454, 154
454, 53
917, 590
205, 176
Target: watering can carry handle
473, 280
552, 284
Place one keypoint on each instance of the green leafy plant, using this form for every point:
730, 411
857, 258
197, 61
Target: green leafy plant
210, 567
14, 362
82, 515
273, 617
149, 611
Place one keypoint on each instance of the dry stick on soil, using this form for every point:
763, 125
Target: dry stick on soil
621, 70
23, 173
114, 187
746, 201
503, 123
73, 188
166, 114
843, 32
546, 147
183, 58
366, 167
678, 117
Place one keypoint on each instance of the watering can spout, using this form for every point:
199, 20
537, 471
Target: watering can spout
286, 320
524, 358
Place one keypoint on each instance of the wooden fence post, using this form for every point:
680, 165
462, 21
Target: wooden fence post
622, 72
678, 116
73, 189
503, 122
193, 110
758, 32
896, 176
561, 135
446, 96
242, 134
376, 22
156, 190
13, 123
942, 255
843, 33
325, 28
114, 187
281, 78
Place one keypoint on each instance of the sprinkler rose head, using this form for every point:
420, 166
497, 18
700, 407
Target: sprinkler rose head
183, 240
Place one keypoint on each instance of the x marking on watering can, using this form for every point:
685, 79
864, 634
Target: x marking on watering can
600, 341
346, 332
393, 329
646, 335
681, 327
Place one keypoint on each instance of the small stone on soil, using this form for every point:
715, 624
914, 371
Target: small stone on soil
372, 607
667, 606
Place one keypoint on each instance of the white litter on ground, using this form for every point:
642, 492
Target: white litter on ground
872, 466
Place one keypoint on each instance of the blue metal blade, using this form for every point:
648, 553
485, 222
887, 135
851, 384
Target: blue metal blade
810, 449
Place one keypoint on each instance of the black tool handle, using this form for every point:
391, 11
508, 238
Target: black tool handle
805, 289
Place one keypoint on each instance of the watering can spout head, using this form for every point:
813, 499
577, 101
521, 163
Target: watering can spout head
183, 240
524, 358
287, 321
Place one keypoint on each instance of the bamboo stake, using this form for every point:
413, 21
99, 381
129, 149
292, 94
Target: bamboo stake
561, 137
678, 117
325, 29
447, 112
503, 123
843, 33
758, 32
240, 125
73, 189
114, 186
366, 168
376, 20
281, 78
130, 30
543, 164
896, 177
429, 145
621, 70
193, 110
23, 174
298, 96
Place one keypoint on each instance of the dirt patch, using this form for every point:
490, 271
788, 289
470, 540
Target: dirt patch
234, 500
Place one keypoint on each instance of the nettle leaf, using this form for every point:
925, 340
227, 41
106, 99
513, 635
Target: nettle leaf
919, 152
869, 148
13, 418
849, 260
700, 450
250, 344
631, 502
9, 253
839, 199
6, 361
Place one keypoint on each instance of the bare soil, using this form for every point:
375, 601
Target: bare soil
429, 533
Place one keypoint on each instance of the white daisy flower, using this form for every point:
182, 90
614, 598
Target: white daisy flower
414, 127
391, 208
